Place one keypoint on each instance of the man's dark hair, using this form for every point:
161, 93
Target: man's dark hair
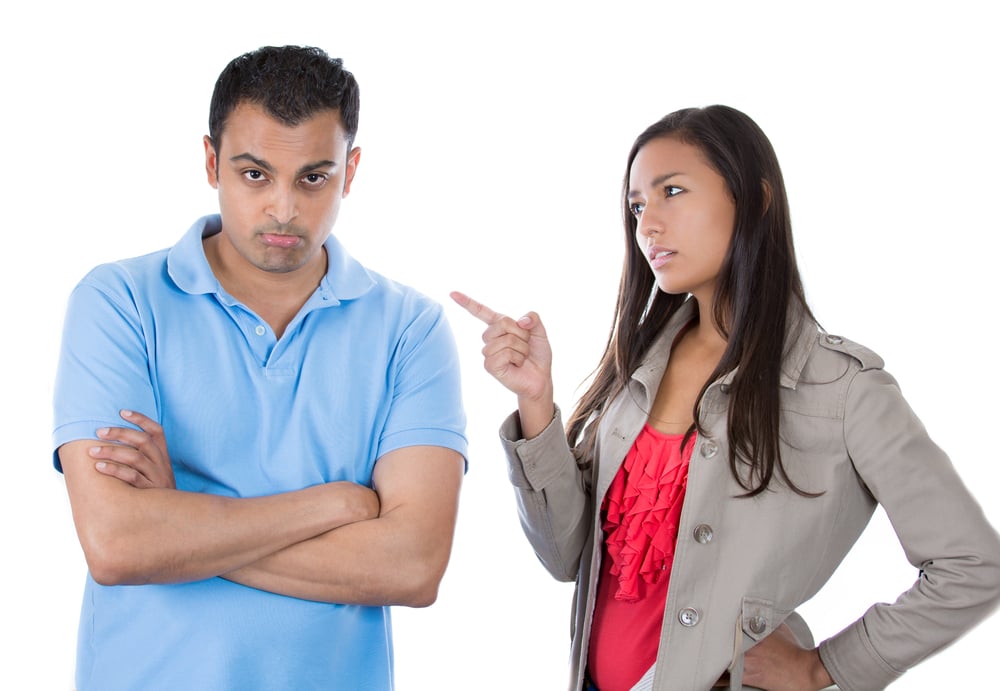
291, 83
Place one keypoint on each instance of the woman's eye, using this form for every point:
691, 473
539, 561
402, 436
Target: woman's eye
672, 190
636, 208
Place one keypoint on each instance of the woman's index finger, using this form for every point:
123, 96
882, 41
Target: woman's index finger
476, 309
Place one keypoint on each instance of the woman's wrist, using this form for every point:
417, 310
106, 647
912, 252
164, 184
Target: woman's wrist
818, 673
535, 413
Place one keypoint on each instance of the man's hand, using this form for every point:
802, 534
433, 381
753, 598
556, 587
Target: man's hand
138, 458
779, 663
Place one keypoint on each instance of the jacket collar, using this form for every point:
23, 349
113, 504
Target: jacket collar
801, 334
800, 339
650, 371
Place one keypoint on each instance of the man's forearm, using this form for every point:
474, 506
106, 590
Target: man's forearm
373, 562
135, 536
398, 558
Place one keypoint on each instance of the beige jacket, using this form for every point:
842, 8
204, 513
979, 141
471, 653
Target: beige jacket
741, 566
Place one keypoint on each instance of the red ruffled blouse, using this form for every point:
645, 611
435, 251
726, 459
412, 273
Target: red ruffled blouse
641, 512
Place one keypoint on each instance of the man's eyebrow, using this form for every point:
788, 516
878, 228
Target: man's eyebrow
264, 165
260, 163
657, 181
315, 166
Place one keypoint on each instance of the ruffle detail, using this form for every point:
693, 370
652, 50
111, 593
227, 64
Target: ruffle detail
642, 510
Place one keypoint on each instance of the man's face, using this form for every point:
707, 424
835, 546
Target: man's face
280, 189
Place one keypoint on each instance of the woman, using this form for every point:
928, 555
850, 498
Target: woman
728, 452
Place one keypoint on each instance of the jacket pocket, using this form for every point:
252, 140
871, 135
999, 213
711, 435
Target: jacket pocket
758, 619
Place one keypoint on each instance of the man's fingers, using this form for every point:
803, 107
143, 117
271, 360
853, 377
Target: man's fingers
124, 473
126, 436
476, 309
141, 421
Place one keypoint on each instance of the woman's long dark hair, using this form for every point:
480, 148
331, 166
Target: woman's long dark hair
758, 283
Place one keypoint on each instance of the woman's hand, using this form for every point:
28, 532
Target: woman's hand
779, 663
138, 458
518, 355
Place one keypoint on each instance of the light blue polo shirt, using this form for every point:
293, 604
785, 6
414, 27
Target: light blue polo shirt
366, 367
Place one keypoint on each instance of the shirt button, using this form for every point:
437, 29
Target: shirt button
688, 616
834, 340
703, 534
260, 330
709, 448
758, 624
724, 388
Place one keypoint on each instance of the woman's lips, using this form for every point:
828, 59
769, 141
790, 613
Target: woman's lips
658, 256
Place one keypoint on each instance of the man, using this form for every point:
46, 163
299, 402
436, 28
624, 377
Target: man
293, 440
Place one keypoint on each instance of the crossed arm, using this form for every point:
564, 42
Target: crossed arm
335, 542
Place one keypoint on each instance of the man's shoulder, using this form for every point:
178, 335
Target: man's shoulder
401, 295
130, 272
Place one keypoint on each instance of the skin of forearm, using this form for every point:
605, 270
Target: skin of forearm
131, 536
397, 559
535, 413
374, 563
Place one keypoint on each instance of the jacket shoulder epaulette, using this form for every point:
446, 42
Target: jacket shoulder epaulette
866, 357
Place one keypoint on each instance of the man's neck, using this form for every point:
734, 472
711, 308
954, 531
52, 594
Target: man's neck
274, 296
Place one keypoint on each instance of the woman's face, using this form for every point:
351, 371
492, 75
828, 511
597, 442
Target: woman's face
684, 216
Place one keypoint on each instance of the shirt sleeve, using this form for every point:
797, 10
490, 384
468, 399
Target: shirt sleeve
943, 532
103, 362
553, 500
426, 407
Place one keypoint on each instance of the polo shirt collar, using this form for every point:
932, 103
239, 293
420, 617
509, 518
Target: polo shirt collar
345, 279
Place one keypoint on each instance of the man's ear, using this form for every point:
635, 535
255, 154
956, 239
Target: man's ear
211, 162
353, 157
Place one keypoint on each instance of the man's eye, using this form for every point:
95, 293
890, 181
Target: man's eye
636, 208
314, 179
253, 175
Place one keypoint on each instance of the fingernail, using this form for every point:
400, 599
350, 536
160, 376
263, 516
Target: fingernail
126, 413
100, 465
102, 432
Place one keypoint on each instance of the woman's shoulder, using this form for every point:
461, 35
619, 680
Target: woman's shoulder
841, 346
820, 357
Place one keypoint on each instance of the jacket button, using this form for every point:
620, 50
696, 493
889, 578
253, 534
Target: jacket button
724, 388
709, 448
758, 624
688, 616
703, 534
834, 340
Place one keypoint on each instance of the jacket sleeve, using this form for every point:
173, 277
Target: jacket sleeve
553, 495
943, 532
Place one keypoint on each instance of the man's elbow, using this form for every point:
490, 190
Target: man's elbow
110, 571
423, 597
111, 562
421, 586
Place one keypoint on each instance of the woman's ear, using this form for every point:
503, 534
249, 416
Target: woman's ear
766, 188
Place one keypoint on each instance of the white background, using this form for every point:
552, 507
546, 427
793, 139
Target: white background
494, 140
